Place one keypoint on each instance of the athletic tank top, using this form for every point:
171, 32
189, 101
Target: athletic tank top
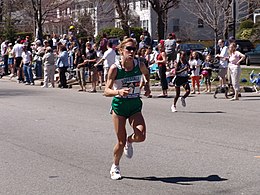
128, 79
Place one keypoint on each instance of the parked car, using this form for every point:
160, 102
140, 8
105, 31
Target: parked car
253, 57
244, 46
190, 47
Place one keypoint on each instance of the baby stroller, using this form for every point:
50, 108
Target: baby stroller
219, 89
255, 80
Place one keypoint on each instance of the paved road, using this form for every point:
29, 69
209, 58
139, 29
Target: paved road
59, 142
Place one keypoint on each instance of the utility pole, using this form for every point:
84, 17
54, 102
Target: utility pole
234, 6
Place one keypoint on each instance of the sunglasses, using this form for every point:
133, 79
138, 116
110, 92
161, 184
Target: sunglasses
130, 48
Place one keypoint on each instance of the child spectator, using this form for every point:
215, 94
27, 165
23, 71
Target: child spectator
195, 64
207, 72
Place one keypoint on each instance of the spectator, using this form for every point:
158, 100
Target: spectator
38, 58
103, 43
141, 43
81, 69
99, 65
49, 68
91, 59
195, 64
54, 41
17, 53
161, 61
235, 58
147, 38
170, 46
207, 72
11, 60
4, 53
223, 62
63, 64
27, 65
108, 59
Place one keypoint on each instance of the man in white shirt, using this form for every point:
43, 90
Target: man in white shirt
223, 62
4, 54
108, 59
17, 53
27, 65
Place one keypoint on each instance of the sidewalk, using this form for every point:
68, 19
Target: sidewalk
154, 87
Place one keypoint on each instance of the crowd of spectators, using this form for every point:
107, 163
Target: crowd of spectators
57, 60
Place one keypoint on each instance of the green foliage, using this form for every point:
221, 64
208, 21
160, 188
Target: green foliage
110, 32
245, 29
119, 33
246, 34
246, 24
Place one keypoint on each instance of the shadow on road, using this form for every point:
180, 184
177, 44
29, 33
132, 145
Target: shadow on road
16, 92
204, 112
255, 99
179, 180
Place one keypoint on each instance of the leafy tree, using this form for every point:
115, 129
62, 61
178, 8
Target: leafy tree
161, 7
248, 30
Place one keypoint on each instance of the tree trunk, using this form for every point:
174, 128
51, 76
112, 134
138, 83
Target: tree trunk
122, 16
39, 33
216, 40
1, 10
160, 26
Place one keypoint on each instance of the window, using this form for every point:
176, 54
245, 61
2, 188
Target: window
144, 24
144, 4
91, 5
175, 24
200, 23
118, 24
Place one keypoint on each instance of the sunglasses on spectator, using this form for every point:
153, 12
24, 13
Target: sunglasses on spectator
130, 48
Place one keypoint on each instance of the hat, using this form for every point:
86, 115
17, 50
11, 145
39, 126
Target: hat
71, 27
38, 42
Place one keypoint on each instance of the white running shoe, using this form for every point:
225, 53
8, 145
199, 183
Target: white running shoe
115, 172
128, 150
173, 108
183, 103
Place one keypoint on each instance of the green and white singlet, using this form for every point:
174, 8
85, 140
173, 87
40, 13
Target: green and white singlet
128, 105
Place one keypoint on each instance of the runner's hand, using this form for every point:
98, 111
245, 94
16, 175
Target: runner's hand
123, 92
147, 90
